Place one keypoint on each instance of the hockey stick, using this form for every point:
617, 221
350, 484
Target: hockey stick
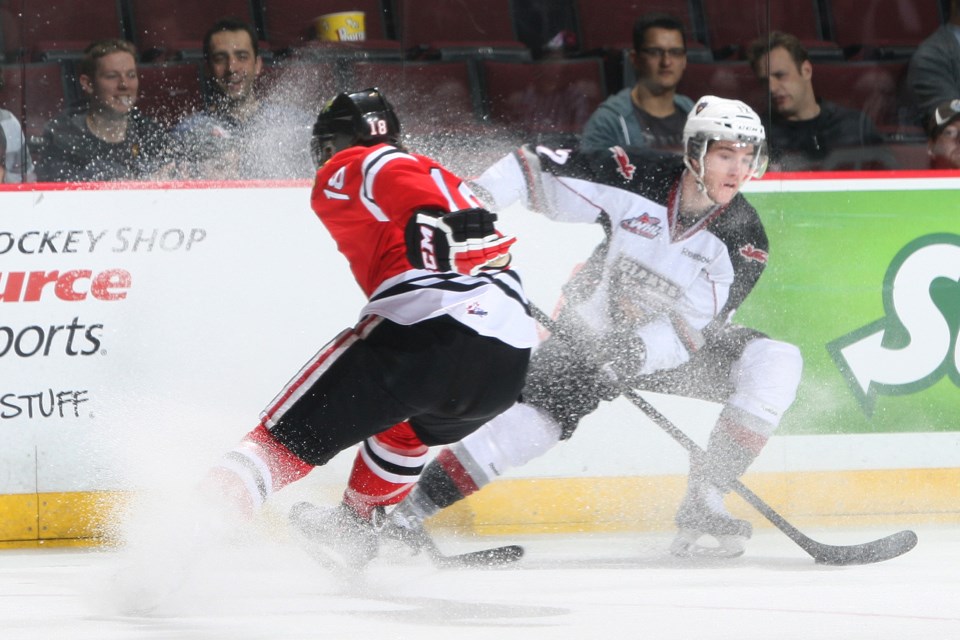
879, 550
326, 555
484, 558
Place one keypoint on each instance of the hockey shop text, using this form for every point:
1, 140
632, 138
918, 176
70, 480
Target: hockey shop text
72, 285
122, 240
49, 403
74, 338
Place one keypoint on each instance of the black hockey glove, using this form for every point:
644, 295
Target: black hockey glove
625, 354
464, 241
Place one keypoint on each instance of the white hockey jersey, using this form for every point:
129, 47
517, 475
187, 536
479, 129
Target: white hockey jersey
657, 276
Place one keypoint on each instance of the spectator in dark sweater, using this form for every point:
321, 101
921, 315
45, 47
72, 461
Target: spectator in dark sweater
802, 131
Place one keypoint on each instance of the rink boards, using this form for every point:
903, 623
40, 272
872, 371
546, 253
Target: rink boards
143, 328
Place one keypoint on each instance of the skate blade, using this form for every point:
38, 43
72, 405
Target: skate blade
687, 544
320, 545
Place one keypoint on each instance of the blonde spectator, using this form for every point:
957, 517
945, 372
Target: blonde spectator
109, 139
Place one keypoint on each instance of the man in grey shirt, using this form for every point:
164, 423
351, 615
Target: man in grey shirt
15, 162
651, 113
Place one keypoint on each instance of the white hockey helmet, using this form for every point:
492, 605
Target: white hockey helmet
714, 118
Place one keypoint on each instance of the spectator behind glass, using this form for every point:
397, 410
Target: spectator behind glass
238, 135
14, 152
109, 139
803, 131
934, 70
943, 136
651, 113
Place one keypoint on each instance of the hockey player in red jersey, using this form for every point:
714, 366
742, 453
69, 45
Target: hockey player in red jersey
442, 345
651, 309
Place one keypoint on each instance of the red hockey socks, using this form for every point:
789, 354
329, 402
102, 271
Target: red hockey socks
385, 469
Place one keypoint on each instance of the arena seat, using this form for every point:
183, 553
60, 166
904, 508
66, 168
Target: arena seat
169, 91
451, 29
306, 84
883, 28
38, 85
725, 79
544, 97
57, 30
612, 28
878, 88
429, 96
732, 24
169, 28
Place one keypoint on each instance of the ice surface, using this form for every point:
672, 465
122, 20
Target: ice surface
568, 586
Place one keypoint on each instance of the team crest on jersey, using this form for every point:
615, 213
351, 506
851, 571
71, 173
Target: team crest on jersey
644, 225
475, 309
750, 252
624, 167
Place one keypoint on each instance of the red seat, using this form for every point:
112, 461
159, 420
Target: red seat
34, 92
612, 28
305, 84
430, 97
43, 30
911, 155
454, 28
734, 80
733, 24
875, 87
883, 28
169, 91
555, 96
161, 27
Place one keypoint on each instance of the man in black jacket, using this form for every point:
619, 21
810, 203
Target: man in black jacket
802, 131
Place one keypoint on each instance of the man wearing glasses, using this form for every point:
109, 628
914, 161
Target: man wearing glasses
651, 113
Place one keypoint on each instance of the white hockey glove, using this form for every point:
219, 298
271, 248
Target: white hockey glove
464, 241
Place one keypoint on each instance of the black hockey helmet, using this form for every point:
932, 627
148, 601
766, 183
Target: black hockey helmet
360, 118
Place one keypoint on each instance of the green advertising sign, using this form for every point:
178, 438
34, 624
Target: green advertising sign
867, 284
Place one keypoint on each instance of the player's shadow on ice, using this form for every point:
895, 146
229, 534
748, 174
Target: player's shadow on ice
666, 561
422, 610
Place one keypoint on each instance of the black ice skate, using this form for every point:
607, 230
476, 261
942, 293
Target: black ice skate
337, 537
696, 519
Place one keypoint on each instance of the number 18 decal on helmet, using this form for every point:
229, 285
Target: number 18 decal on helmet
360, 118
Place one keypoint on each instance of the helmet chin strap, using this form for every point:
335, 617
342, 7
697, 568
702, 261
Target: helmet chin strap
698, 177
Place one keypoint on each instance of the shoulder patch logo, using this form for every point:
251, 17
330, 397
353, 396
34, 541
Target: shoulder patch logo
750, 252
475, 309
624, 167
644, 225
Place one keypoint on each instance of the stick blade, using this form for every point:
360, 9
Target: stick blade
886, 548
483, 559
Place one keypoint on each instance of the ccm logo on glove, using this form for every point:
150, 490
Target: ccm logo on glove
464, 241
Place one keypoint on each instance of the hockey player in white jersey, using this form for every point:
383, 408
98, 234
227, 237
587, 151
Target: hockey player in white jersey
651, 309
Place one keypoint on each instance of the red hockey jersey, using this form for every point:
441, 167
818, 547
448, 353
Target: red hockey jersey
365, 196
